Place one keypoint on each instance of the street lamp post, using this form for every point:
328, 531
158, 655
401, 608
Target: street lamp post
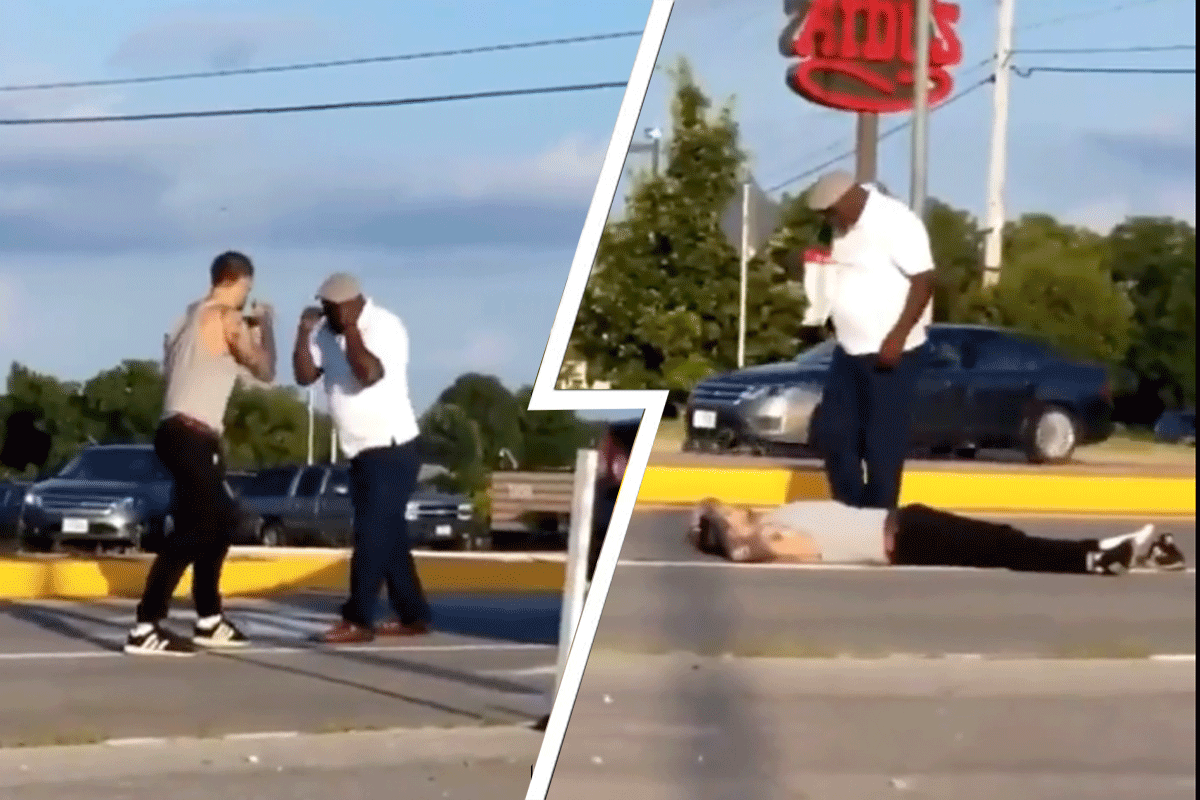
652, 145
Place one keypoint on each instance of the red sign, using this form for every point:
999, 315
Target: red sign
857, 55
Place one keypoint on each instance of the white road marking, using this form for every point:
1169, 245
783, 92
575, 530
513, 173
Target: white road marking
526, 672
820, 567
70, 655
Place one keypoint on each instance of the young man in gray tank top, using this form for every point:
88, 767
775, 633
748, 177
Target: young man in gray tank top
203, 357
916, 535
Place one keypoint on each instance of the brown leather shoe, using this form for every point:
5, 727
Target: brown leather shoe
346, 633
396, 628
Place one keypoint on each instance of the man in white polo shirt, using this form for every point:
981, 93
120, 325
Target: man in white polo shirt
361, 351
882, 284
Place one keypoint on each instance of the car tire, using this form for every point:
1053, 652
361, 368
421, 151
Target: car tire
271, 535
1052, 436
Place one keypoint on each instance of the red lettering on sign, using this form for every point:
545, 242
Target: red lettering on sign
857, 55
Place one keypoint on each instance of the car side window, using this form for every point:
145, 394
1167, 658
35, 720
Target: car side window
1008, 354
338, 483
310, 482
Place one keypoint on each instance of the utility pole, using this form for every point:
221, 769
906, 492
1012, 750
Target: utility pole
311, 431
994, 234
922, 22
745, 263
653, 145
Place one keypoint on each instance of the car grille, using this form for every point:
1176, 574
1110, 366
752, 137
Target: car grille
63, 502
725, 394
437, 510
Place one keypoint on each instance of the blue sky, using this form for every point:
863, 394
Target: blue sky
462, 217
1090, 149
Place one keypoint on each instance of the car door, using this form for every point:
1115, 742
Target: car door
1002, 373
300, 509
939, 409
335, 512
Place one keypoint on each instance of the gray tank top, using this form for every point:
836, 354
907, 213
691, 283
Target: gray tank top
198, 384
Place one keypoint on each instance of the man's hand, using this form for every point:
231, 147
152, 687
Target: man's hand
260, 313
310, 318
891, 351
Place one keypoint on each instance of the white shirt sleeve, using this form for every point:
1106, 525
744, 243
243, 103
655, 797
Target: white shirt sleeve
387, 340
911, 252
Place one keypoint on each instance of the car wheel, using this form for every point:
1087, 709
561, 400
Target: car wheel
271, 535
1053, 436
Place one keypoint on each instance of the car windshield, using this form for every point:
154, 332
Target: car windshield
817, 354
268, 483
117, 464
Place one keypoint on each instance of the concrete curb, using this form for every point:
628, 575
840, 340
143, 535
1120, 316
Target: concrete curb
262, 572
981, 490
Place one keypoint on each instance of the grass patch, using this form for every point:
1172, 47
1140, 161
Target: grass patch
62, 738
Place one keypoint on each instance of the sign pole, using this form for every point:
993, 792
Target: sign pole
745, 252
922, 22
578, 541
866, 147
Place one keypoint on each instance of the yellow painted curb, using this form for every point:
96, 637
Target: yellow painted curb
996, 491
26, 578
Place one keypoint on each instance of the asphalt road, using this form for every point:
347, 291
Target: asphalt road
687, 728
66, 681
665, 597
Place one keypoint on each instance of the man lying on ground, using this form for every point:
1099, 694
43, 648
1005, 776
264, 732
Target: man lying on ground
915, 535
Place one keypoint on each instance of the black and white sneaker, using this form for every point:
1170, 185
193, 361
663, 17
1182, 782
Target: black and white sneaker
1113, 560
1165, 554
220, 633
155, 640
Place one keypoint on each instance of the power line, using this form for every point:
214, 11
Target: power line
1025, 72
892, 131
1091, 13
242, 112
1168, 48
224, 73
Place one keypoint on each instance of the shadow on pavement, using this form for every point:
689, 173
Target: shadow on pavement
698, 600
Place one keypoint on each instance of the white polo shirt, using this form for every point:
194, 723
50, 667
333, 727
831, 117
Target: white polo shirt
873, 262
378, 415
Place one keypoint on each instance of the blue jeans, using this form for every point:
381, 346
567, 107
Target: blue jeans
865, 420
382, 480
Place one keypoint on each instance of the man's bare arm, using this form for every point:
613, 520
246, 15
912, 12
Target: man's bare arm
367, 368
304, 366
920, 292
257, 357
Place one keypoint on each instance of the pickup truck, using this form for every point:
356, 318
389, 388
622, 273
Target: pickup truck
530, 508
311, 506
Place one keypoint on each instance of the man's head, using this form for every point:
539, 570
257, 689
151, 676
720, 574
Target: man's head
232, 278
341, 299
838, 198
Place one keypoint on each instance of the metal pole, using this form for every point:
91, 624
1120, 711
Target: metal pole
922, 23
311, 431
578, 543
741, 354
654, 158
866, 147
994, 221
333, 443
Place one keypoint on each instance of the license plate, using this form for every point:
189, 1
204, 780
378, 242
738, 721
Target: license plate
704, 419
74, 525
442, 530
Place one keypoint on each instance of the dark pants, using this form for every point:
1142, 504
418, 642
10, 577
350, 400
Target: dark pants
865, 416
924, 536
382, 480
205, 517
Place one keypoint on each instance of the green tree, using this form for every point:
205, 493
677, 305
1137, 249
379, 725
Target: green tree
1154, 259
496, 412
265, 427
59, 404
660, 309
1053, 283
551, 438
957, 245
451, 439
124, 404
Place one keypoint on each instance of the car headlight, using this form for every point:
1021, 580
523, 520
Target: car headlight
34, 500
759, 392
465, 511
410, 512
